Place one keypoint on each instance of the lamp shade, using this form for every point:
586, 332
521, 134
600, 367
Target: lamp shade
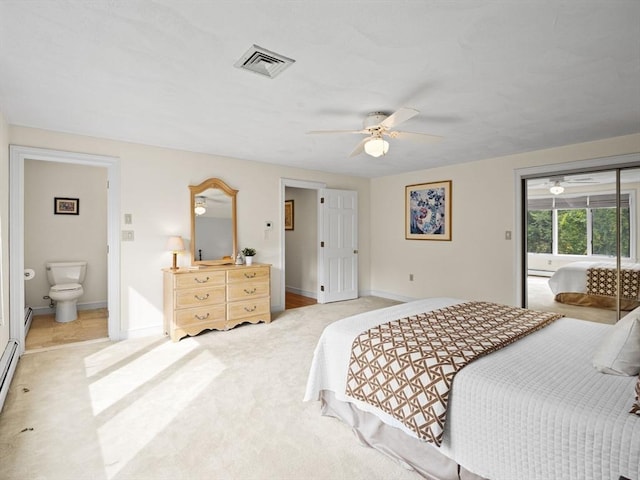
376, 147
175, 244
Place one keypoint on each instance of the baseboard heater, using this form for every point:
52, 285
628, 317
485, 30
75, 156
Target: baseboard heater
8, 363
28, 316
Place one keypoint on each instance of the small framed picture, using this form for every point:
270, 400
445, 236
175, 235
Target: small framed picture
66, 206
288, 214
428, 211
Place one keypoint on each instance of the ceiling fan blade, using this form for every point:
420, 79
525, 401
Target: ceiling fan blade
316, 132
359, 148
416, 137
399, 116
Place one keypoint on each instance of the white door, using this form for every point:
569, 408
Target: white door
338, 254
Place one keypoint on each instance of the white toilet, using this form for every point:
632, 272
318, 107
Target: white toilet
65, 279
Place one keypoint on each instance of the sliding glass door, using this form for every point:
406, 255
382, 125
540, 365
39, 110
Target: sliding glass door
582, 243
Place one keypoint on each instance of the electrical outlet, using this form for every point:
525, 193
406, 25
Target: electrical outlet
127, 235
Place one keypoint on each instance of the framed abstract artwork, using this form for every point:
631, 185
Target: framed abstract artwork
428, 211
66, 206
288, 214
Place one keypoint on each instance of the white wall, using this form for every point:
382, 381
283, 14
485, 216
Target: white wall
50, 237
478, 263
154, 189
301, 243
4, 233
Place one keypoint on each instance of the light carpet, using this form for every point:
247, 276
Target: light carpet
222, 405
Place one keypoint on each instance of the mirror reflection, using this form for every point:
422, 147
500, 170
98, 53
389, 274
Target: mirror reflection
213, 222
574, 236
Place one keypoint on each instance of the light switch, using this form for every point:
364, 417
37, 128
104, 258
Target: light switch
507, 235
128, 219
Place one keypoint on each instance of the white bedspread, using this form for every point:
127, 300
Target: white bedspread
536, 409
573, 277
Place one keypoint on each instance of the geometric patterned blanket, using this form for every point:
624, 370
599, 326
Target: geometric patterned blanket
603, 282
406, 367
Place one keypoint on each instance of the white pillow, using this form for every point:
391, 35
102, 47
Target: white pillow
619, 350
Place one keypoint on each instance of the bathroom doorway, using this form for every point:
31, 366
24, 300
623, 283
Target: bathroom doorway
78, 235
109, 244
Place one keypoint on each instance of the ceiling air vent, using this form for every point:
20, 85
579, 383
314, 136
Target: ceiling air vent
263, 61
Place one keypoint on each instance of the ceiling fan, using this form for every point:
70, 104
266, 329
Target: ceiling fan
557, 183
378, 125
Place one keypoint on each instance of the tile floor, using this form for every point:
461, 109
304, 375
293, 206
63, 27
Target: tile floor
45, 332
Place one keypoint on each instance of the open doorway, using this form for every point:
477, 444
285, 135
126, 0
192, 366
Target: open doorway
18, 156
78, 236
301, 251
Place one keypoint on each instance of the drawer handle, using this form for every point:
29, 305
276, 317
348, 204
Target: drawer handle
202, 298
250, 292
202, 317
250, 275
201, 281
250, 309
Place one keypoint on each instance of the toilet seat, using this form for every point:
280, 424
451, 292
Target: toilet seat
66, 287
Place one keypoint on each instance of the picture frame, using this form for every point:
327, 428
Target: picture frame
66, 206
428, 211
288, 214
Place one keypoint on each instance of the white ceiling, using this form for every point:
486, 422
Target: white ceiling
492, 77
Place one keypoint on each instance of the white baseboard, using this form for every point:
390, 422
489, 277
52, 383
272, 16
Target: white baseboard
304, 293
155, 331
81, 306
540, 273
390, 296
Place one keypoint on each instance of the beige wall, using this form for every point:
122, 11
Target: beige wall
4, 233
154, 190
301, 258
478, 263
49, 237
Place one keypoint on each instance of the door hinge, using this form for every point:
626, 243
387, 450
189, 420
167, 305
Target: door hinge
322, 288
321, 244
107, 184
321, 199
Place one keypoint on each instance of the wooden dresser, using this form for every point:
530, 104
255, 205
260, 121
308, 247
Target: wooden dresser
217, 297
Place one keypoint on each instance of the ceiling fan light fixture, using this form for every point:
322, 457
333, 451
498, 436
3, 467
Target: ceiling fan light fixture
556, 189
376, 147
200, 206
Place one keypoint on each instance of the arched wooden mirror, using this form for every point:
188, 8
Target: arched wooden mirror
213, 223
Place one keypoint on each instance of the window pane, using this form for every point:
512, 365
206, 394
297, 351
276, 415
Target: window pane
539, 231
572, 232
604, 231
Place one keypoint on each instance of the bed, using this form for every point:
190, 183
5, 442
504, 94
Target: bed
593, 284
533, 409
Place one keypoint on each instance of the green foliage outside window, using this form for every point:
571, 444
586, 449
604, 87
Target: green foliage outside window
539, 231
604, 231
572, 232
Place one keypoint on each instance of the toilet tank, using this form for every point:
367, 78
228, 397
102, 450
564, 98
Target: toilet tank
59, 273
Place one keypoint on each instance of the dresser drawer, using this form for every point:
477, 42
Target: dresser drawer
246, 291
194, 316
249, 308
248, 274
199, 279
200, 296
